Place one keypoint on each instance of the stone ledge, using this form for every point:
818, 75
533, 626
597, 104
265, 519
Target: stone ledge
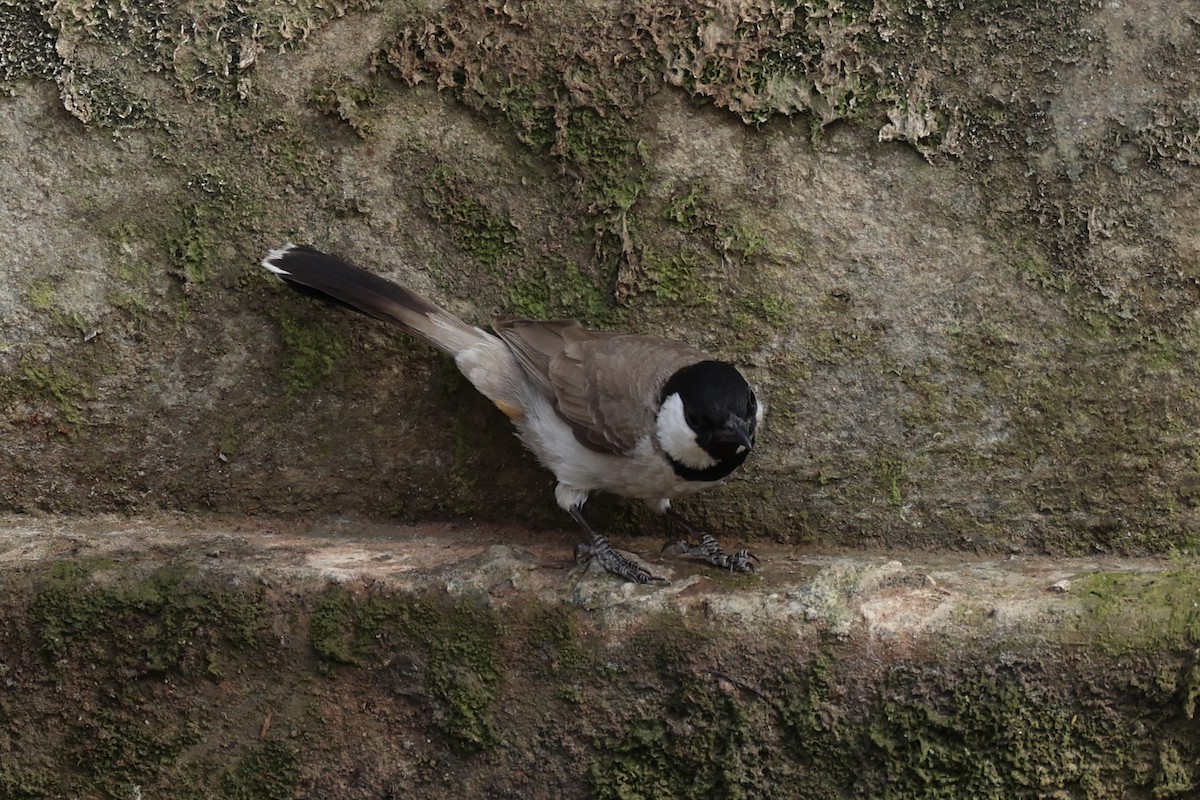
199, 657
881, 595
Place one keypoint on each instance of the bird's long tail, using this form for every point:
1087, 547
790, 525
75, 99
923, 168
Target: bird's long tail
311, 272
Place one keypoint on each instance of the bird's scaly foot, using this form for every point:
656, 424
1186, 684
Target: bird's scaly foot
710, 551
614, 561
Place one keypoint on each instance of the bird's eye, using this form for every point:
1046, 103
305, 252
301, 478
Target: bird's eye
751, 404
693, 420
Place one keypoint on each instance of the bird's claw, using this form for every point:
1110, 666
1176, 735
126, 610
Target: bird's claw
613, 561
709, 550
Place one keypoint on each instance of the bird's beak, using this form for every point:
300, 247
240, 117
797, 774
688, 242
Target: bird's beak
737, 433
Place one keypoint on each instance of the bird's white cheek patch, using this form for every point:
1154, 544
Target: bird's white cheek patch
677, 439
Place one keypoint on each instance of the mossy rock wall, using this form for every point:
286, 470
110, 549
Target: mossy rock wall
954, 244
199, 659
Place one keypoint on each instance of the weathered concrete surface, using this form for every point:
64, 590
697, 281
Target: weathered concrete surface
955, 247
955, 244
256, 657
876, 596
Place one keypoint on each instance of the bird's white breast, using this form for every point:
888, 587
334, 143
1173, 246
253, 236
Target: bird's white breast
643, 472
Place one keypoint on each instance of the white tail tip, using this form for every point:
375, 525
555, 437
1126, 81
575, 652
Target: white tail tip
278, 255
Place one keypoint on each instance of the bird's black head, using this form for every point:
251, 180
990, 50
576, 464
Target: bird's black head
708, 419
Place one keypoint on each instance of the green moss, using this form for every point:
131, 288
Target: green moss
298, 157
1105, 486
892, 472
639, 765
557, 289
723, 229
124, 240
456, 640
771, 310
134, 304
486, 235
117, 749
347, 100
986, 349
842, 345
1164, 354
213, 210
41, 294
192, 247
807, 59
26, 43
806, 698
554, 638
608, 194
689, 209
97, 93
567, 109
1174, 777
685, 706
697, 740
464, 669
602, 149
704, 747
695, 211
311, 349
992, 738
679, 279
1037, 271
1093, 316
741, 238
929, 400
340, 631
36, 383
1132, 610
120, 642
132, 296
993, 728
205, 50
704, 740
266, 771
527, 107
1191, 689
25, 781
164, 623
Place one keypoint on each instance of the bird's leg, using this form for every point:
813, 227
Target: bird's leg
708, 548
607, 555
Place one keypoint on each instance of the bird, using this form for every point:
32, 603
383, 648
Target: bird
634, 415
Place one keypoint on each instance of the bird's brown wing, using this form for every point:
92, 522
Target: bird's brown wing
605, 385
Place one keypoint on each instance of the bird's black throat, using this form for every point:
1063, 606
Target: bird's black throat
714, 473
